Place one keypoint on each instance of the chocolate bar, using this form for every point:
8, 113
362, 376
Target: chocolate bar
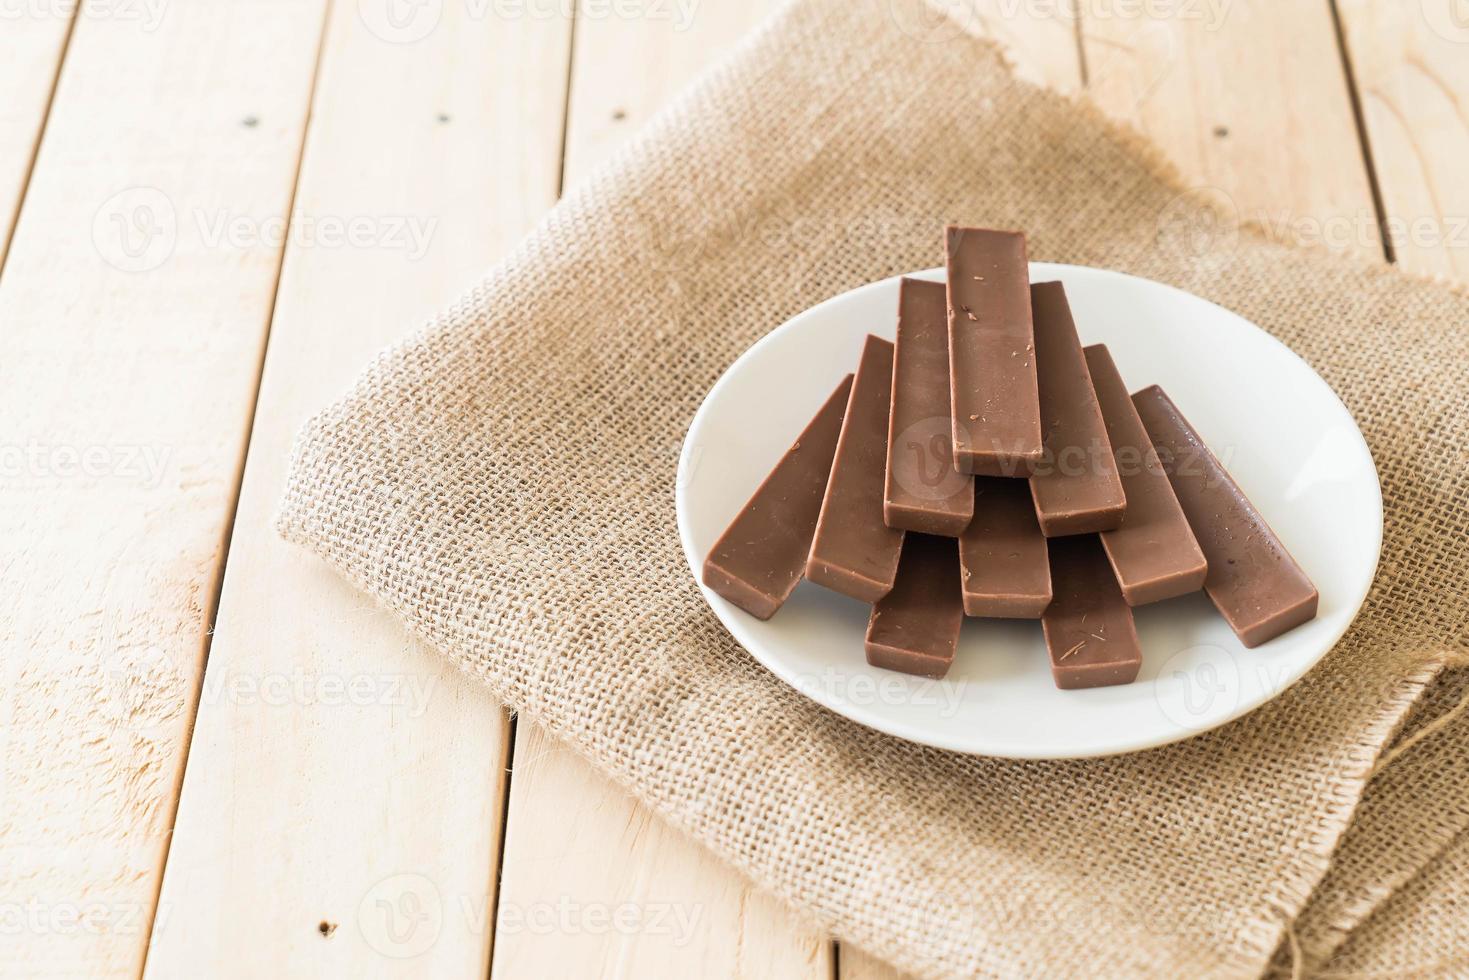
924, 491
854, 552
1253, 581
1076, 488
1089, 631
915, 627
761, 556
992, 370
1004, 568
1154, 553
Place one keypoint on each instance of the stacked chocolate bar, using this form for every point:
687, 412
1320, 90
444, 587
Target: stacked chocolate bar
986, 464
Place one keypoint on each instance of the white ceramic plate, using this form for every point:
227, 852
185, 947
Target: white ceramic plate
1279, 429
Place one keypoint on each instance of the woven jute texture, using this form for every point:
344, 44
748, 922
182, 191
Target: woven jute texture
1415, 807
1421, 932
504, 482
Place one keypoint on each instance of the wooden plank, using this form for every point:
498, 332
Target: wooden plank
626, 68
342, 807
857, 965
1040, 38
1250, 100
593, 884
1410, 60
131, 342
32, 45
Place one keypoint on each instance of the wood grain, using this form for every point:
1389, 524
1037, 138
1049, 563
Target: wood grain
1410, 59
344, 821
132, 340
1249, 98
32, 43
1040, 39
578, 848
627, 68
595, 884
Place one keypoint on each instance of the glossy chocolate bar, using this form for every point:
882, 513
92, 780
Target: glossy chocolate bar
915, 627
1154, 553
1089, 630
854, 551
924, 491
1076, 487
1253, 581
1004, 566
759, 559
992, 375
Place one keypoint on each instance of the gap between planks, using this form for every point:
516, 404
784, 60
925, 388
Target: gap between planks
1408, 62
571, 835
32, 53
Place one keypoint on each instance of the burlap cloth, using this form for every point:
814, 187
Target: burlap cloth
504, 482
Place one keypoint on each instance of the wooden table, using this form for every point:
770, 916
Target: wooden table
218, 759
